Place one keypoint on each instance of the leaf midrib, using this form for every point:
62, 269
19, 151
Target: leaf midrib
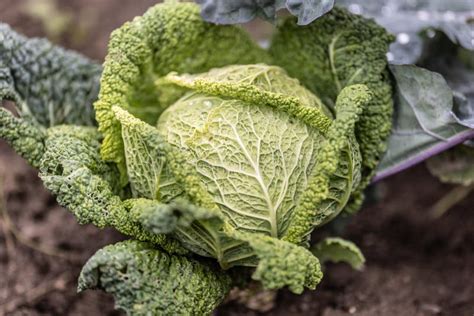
272, 211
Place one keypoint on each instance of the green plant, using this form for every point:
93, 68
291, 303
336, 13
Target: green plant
208, 153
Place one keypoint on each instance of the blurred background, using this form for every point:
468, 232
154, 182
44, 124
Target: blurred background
416, 265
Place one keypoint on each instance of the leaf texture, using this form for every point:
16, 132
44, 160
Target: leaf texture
349, 106
72, 169
282, 263
27, 139
145, 280
50, 85
197, 229
260, 85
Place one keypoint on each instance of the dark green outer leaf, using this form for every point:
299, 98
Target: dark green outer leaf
424, 121
27, 139
50, 85
146, 281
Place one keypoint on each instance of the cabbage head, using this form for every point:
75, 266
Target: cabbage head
217, 157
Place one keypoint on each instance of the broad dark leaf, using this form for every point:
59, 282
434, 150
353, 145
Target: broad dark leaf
456, 64
425, 122
50, 85
241, 11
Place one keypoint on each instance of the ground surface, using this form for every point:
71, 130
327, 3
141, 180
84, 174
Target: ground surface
415, 265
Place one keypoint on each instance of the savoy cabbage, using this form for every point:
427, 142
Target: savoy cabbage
217, 157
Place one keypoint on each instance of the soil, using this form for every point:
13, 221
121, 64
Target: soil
415, 265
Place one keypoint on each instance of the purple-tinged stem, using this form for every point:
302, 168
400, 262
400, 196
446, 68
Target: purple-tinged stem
430, 152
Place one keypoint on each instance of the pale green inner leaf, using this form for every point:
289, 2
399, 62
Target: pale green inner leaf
254, 161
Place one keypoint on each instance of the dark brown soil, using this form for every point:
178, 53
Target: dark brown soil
415, 265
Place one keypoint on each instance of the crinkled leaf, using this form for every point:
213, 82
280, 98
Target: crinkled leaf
145, 158
152, 143
260, 85
282, 263
50, 85
168, 37
424, 122
242, 11
71, 168
338, 50
408, 19
339, 250
454, 166
147, 281
70, 147
27, 139
322, 185
91, 200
